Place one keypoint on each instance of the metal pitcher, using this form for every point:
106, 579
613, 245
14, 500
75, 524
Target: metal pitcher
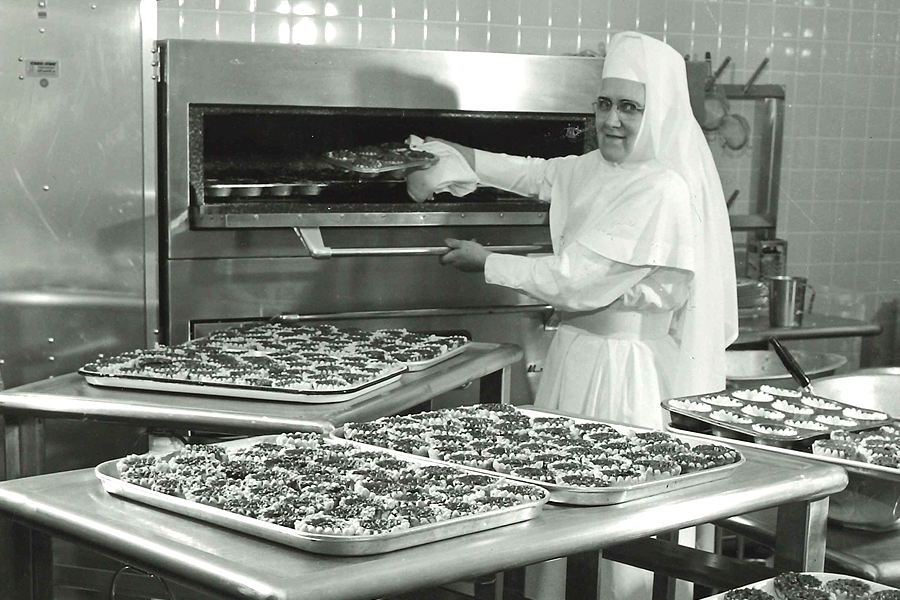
787, 300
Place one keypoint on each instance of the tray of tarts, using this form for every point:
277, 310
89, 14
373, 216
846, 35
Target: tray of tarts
811, 586
394, 158
322, 495
865, 443
579, 461
282, 359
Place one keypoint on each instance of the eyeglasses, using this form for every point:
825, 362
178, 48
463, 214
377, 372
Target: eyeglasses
628, 110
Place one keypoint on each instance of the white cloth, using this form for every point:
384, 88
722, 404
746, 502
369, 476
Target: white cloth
621, 239
451, 174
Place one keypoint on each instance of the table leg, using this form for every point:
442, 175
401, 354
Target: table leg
583, 575
800, 536
495, 387
26, 556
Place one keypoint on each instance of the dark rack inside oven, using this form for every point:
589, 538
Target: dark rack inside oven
261, 166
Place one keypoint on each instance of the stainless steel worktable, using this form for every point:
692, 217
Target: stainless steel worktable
74, 505
70, 397
757, 329
23, 410
872, 555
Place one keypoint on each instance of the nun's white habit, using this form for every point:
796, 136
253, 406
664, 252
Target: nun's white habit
642, 269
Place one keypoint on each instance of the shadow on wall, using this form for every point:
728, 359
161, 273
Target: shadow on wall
883, 350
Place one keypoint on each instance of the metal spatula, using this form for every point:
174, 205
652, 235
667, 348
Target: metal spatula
792, 366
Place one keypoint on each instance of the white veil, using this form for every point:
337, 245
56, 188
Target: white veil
709, 321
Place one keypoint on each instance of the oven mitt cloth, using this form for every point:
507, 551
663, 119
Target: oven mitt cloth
451, 174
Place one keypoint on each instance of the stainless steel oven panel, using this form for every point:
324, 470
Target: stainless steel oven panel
203, 72
284, 242
77, 254
264, 287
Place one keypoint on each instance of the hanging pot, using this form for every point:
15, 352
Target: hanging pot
716, 110
735, 131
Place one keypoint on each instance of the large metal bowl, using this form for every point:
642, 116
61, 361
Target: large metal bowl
753, 368
877, 389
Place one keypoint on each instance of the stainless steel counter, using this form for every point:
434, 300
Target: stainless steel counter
757, 329
23, 410
230, 565
70, 397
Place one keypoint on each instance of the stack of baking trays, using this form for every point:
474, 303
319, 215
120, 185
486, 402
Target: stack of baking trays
402, 481
752, 297
865, 442
283, 359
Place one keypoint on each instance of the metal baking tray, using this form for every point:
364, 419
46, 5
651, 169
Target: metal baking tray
399, 170
804, 437
768, 585
243, 391
563, 494
338, 545
425, 364
871, 499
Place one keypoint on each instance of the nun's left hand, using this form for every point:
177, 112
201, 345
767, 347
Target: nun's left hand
465, 255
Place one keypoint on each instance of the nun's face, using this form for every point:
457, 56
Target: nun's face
619, 111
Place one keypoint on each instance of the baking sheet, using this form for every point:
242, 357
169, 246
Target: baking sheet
871, 499
592, 496
399, 171
803, 435
768, 585
245, 392
425, 364
338, 545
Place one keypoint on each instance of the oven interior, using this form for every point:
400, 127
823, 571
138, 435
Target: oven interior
270, 159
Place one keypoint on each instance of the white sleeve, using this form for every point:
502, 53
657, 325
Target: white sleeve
582, 280
520, 174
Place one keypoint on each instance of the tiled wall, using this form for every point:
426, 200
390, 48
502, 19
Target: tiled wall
840, 200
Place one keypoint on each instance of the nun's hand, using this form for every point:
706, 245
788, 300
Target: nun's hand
465, 255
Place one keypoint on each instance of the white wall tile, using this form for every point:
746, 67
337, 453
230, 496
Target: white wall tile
376, 34
862, 26
473, 38
444, 11
504, 12
595, 13
473, 11
504, 39
563, 41
623, 14
377, 9
412, 10
565, 13
534, 13
272, 28
440, 36
534, 40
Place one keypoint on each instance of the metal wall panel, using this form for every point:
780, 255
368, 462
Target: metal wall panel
72, 183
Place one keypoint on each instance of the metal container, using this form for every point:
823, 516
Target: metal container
753, 368
766, 258
787, 300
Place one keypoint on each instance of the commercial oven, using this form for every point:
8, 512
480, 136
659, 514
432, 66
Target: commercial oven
255, 224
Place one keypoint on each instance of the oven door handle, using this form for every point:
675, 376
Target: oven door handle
312, 240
